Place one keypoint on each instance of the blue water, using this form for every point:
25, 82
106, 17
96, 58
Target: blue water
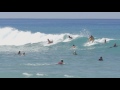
40, 60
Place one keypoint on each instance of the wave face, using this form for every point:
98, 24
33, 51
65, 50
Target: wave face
13, 39
13, 36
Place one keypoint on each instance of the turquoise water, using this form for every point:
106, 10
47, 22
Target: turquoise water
30, 36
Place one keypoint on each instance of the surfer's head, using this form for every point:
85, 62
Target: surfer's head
61, 60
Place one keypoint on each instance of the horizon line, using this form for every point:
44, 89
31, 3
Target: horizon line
59, 18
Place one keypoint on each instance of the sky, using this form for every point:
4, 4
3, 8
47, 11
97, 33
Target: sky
61, 15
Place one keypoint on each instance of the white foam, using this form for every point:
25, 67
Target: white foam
97, 41
68, 76
13, 36
36, 64
27, 74
89, 44
38, 74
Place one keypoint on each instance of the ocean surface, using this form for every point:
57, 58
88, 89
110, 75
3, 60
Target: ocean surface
41, 59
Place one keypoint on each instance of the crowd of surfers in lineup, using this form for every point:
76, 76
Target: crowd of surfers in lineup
90, 39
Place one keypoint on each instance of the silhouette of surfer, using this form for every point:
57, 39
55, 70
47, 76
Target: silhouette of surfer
19, 52
49, 41
115, 45
100, 59
70, 37
105, 41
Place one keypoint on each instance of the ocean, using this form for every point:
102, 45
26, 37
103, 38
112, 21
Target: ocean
41, 59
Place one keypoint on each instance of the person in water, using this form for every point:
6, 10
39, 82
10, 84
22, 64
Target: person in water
19, 53
100, 59
105, 41
49, 41
24, 53
115, 45
91, 38
70, 37
61, 62
73, 46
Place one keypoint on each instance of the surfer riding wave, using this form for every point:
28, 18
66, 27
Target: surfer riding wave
49, 41
91, 38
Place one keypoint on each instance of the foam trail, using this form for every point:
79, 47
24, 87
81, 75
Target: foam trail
98, 41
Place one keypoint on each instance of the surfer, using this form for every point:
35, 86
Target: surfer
115, 45
105, 41
91, 38
49, 41
61, 62
100, 59
19, 52
70, 37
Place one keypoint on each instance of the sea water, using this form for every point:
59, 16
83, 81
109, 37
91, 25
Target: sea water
41, 59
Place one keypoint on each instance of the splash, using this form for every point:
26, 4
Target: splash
85, 33
98, 41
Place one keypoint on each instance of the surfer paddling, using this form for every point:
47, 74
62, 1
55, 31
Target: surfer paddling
115, 45
100, 59
61, 62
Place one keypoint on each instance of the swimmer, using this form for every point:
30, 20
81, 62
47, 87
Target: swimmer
61, 62
73, 46
100, 59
